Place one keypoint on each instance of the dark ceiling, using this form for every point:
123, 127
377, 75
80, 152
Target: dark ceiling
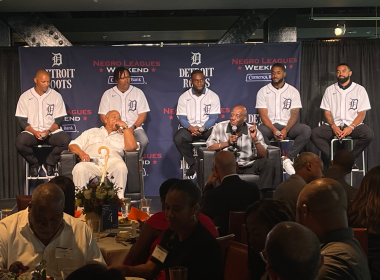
111, 22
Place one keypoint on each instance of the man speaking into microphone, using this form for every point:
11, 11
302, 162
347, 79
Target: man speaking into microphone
248, 144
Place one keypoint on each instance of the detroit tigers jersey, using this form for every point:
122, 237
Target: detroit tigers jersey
345, 105
41, 110
279, 102
198, 108
129, 104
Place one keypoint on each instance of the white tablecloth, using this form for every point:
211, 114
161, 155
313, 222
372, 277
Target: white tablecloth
113, 253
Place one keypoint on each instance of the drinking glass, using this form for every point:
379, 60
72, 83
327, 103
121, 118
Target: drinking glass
125, 207
178, 273
145, 204
94, 225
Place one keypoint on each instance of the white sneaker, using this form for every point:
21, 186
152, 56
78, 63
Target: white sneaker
288, 166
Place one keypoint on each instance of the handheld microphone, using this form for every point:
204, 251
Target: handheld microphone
234, 129
341, 128
43, 135
278, 133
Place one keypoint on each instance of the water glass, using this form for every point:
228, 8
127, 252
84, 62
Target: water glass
178, 273
145, 204
94, 225
125, 207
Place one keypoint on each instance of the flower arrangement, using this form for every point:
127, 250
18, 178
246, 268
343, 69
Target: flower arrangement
39, 273
95, 194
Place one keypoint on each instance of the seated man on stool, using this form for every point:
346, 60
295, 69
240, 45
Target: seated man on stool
40, 111
345, 104
86, 147
279, 105
197, 111
248, 145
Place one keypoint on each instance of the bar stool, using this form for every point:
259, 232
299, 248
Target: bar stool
27, 175
347, 138
185, 166
278, 143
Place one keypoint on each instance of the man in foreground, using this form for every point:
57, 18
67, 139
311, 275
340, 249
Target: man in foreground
308, 167
233, 193
40, 111
44, 232
86, 147
322, 207
247, 143
292, 252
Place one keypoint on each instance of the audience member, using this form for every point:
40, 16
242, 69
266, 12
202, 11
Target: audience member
292, 252
308, 167
68, 188
233, 193
260, 218
339, 168
95, 271
151, 231
185, 243
322, 206
42, 231
364, 212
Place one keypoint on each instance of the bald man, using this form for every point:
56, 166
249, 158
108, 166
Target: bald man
87, 145
248, 144
40, 111
292, 252
308, 167
233, 193
44, 232
322, 206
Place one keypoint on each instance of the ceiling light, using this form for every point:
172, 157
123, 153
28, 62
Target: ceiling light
340, 29
145, 36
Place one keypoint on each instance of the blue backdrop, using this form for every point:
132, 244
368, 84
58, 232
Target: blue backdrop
82, 74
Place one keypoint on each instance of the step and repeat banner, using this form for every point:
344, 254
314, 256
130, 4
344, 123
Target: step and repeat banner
82, 74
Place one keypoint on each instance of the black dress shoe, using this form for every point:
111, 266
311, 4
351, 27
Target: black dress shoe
191, 170
33, 172
49, 169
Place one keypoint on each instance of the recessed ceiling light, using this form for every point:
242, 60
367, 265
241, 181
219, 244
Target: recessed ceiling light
145, 36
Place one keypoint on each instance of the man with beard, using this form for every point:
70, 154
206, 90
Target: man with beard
86, 146
197, 111
248, 145
279, 104
345, 104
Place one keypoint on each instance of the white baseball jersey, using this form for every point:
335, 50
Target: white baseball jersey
279, 102
345, 105
41, 110
92, 139
198, 108
129, 104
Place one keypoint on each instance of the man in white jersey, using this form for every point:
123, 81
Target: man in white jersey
86, 147
40, 111
130, 102
197, 111
279, 104
345, 104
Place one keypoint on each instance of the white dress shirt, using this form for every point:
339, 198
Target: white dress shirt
18, 243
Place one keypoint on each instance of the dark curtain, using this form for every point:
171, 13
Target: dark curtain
11, 165
318, 66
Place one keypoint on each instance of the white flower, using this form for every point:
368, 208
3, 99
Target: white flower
87, 194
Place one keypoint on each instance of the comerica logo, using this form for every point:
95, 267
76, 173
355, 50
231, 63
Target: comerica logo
262, 77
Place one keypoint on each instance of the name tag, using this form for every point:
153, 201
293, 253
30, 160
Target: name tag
160, 253
64, 253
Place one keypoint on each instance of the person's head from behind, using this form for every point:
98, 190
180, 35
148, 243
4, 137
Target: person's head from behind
322, 206
182, 205
46, 211
95, 271
364, 208
261, 217
165, 186
224, 164
343, 160
68, 188
309, 166
292, 251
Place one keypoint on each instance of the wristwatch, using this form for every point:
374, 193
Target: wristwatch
124, 127
134, 127
50, 133
202, 129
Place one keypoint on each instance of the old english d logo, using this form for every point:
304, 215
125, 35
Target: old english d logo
353, 104
287, 103
49, 109
132, 105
